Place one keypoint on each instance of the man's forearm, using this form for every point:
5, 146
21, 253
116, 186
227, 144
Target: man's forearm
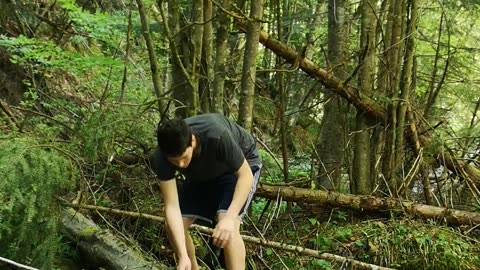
177, 233
242, 189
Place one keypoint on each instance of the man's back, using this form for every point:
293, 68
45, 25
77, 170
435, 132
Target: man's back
214, 125
222, 145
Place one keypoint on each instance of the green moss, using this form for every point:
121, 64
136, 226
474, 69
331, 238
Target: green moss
89, 231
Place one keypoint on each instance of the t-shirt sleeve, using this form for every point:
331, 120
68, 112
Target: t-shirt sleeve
230, 151
161, 167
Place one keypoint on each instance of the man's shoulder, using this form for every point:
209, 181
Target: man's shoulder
159, 163
207, 118
209, 125
158, 159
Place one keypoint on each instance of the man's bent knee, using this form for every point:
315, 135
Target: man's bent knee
187, 223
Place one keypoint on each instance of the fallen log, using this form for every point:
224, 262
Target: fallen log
101, 246
367, 203
286, 247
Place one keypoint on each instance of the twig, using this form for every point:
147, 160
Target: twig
10, 117
17, 264
45, 116
250, 239
268, 151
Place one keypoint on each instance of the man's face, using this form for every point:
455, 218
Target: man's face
184, 159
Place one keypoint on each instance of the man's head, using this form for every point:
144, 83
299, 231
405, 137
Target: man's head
176, 140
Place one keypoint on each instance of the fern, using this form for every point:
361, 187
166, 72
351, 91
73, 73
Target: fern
31, 177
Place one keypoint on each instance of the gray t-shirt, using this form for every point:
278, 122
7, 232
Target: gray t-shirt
223, 145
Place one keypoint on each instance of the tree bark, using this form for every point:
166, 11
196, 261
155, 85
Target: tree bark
367, 203
223, 21
177, 45
331, 145
361, 169
362, 183
157, 84
204, 86
185, 56
391, 80
194, 57
102, 247
245, 114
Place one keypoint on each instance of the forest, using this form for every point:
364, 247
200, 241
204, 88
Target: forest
366, 115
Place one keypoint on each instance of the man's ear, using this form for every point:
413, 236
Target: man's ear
194, 140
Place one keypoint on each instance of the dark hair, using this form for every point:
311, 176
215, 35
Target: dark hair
173, 137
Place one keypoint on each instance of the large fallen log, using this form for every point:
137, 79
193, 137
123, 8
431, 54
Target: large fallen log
367, 203
286, 247
101, 246
360, 100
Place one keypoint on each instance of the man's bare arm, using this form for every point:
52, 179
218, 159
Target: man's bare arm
242, 189
173, 216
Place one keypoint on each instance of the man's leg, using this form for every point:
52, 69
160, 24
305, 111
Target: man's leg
187, 222
235, 250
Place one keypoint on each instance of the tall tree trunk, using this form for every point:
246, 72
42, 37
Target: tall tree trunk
186, 48
194, 57
222, 23
245, 114
331, 144
157, 84
178, 46
393, 35
362, 181
206, 61
281, 11
405, 89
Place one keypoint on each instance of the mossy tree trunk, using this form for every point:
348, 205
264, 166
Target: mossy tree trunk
101, 247
362, 183
154, 67
221, 52
331, 144
391, 79
247, 88
186, 48
206, 78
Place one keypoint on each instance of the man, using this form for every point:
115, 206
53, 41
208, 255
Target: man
221, 165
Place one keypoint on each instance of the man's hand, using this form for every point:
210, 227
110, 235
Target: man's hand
184, 263
223, 232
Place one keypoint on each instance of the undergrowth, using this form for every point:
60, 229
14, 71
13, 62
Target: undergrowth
32, 175
396, 243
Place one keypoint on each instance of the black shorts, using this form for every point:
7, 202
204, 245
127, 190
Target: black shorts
202, 201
